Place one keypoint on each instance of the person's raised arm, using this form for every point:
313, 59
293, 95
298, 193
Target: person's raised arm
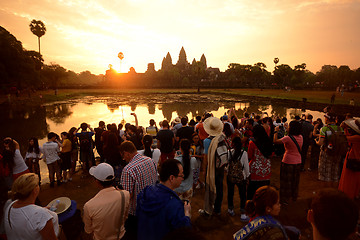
136, 119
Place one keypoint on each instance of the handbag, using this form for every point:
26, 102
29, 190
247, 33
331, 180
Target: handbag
353, 164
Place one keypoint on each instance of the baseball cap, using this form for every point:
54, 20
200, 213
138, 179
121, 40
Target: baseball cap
102, 172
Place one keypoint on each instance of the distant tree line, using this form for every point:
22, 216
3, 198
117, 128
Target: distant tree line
22, 69
197, 74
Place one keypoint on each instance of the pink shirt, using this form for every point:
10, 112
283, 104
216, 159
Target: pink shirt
292, 155
102, 214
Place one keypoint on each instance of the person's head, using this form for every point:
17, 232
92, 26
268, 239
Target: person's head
198, 118
103, 173
278, 120
246, 115
207, 115
171, 173
192, 123
112, 141
152, 122
257, 118
235, 122
195, 138
348, 116
262, 140
64, 135
108, 126
147, 142
297, 118
249, 123
34, 145
227, 130
333, 214
284, 120
353, 126
51, 136
120, 126
184, 121
84, 126
72, 131
225, 118
295, 128
213, 126
127, 150
309, 117
330, 118
165, 124
24, 186
264, 202
101, 124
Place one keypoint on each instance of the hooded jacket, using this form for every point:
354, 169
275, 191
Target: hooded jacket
159, 211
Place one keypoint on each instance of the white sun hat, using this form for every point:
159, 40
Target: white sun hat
213, 126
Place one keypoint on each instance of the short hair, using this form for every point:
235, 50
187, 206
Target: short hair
152, 122
284, 120
24, 185
335, 214
184, 121
65, 134
51, 135
83, 126
107, 183
295, 128
165, 124
127, 146
309, 116
101, 124
168, 168
257, 117
198, 118
246, 115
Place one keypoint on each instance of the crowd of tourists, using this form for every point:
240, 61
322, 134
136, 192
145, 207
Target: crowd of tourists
148, 175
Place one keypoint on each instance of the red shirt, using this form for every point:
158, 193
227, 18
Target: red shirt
260, 166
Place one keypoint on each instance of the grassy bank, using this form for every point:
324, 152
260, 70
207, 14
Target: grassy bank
295, 95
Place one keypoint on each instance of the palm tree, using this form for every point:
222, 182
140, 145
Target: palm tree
37, 28
121, 57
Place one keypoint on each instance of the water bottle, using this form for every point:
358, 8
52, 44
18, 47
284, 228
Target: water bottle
54, 205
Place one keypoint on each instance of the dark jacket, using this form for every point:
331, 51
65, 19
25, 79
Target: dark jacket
159, 211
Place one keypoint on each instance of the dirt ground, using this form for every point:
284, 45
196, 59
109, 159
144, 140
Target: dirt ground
82, 188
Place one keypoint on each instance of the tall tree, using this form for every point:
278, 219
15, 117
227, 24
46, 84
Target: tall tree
37, 28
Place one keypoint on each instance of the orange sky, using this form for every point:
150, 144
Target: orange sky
88, 34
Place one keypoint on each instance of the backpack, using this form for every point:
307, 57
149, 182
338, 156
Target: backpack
259, 224
336, 143
235, 169
85, 142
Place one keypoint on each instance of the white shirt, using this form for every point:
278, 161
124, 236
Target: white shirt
19, 165
33, 154
27, 222
50, 151
155, 156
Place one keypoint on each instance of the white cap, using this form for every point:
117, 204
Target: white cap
102, 172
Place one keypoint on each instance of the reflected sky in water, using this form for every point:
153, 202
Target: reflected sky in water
22, 122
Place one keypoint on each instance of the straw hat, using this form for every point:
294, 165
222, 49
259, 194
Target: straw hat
213, 126
354, 124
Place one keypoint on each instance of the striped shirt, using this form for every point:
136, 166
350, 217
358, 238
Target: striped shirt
136, 175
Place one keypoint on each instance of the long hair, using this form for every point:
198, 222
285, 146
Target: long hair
9, 154
262, 141
34, 148
147, 142
185, 148
237, 148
